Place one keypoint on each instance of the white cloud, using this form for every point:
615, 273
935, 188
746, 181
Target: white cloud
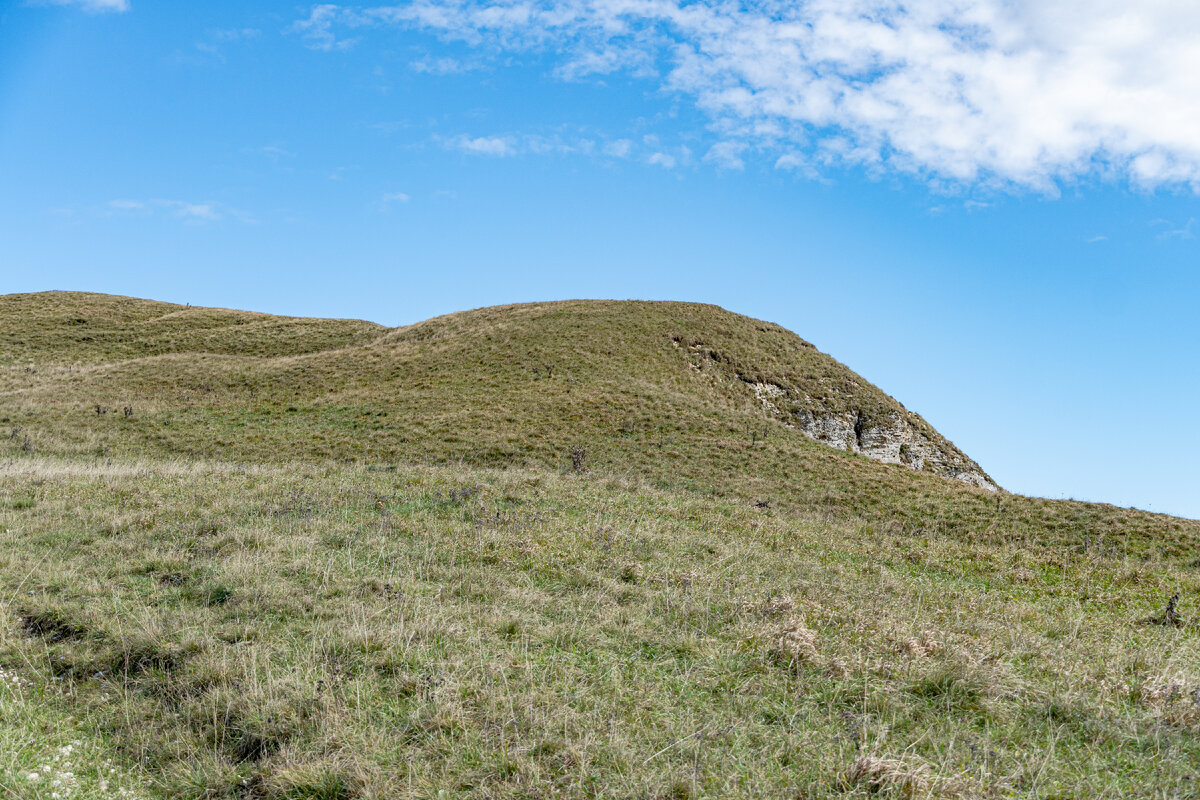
800, 164
791, 161
483, 145
726, 155
1025, 93
94, 6
235, 34
566, 141
318, 30
664, 160
396, 197
621, 148
441, 66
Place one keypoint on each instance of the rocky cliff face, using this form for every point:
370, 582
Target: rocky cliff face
892, 440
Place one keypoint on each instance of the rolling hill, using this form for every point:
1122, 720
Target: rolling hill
577, 549
592, 369
681, 395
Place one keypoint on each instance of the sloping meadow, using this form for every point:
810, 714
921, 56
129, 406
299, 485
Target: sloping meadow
313, 631
664, 392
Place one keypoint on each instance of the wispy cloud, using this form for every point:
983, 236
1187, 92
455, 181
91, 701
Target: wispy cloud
565, 142
272, 151
318, 29
482, 145
193, 212
187, 211
442, 66
235, 34
793, 160
94, 6
216, 39
582, 143
395, 197
1169, 230
621, 148
726, 155
1020, 93
664, 160
667, 158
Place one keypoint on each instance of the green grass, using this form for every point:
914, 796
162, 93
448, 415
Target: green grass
654, 391
333, 631
47, 754
537, 551
77, 328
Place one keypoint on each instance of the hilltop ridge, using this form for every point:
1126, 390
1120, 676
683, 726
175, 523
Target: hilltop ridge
754, 366
682, 395
82, 327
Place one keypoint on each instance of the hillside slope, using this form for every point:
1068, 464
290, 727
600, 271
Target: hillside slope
683, 395
65, 328
580, 549
696, 354
340, 632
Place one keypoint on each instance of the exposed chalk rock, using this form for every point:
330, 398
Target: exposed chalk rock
894, 441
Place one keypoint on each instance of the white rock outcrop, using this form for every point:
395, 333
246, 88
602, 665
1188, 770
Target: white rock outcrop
895, 441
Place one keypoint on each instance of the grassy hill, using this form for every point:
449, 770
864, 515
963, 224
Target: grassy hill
558, 549
77, 328
662, 392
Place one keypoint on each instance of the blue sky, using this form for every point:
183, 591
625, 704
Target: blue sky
988, 209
